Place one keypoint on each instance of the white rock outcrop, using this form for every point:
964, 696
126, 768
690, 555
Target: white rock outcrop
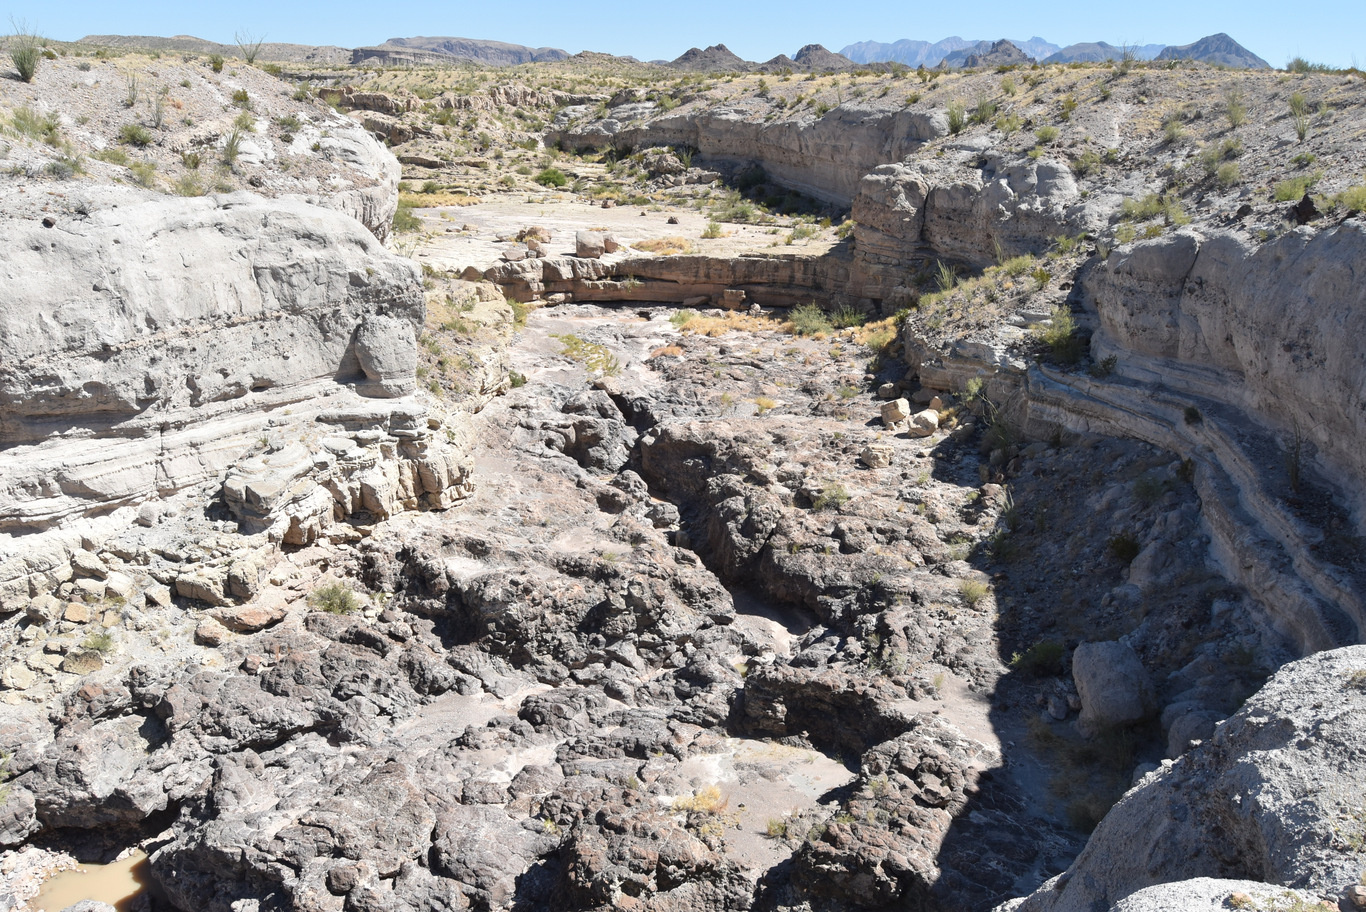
156, 346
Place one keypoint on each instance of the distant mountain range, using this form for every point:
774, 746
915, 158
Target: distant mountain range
720, 59
954, 52
410, 51
931, 54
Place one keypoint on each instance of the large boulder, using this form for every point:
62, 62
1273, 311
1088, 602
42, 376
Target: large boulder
1115, 689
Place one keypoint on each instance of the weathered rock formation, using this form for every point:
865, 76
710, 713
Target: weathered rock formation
1274, 797
154, 347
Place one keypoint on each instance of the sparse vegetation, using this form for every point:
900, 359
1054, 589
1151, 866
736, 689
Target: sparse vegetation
25, 50
334, 598
810, 320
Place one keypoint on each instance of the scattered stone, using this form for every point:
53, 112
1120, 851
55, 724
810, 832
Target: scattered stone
84, 563
877, 455
158, 596
82, 662
18, 677
895, 412
924, 423
889, 391
78, 613
211, 633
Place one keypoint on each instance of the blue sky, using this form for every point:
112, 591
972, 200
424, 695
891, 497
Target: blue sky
1329, 32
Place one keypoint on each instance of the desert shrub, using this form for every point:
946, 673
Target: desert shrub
1060, 335
113, 156
983, 110
713, 230
1234, 108
1228, 174
404, 219
809, 320
845, 317
1040, 660
144, 173
44, 127
957, 116
189, 185
216, 62
681, 317
1046, 134
551, 177
25, 50
972, 592
833, 496
1288, 191
1353, 199
334, 598
241, 99
1123, 547
135, 135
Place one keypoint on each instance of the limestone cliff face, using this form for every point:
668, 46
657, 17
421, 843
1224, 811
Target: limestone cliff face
152, 348
823, 157
969, 206
1273, 329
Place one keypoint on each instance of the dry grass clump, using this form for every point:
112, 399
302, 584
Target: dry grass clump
704, 325
706, 800
668, 246
667, 351
433, 200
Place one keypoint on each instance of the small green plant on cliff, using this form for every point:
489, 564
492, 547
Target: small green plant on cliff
1042, 659
1293, 189
1060, 336
833, 496
334, 598
135, 135
1124, 547
216, 62
101, 642
42, 127
972, 592
404, 220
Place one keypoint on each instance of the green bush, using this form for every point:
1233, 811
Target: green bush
551, 177
833, 496
216, 62
241, 98
404, 220
809, 319
44, 127
1040, 660
972, 592
144, 173
1294, 189
957, 115
135, 135
334, 598
1046, 134
1061, 336
1124, 547
25, 50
